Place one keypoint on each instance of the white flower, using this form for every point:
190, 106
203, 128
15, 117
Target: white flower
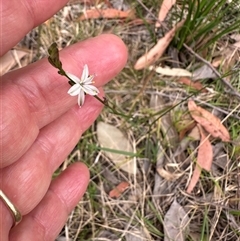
82, 86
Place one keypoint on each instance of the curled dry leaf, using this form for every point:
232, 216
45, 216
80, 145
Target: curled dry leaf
119, 189
156, 52
216, 62
107, 13
209, 121
112, 138
165, 8
204, 159
169, 176
171, 71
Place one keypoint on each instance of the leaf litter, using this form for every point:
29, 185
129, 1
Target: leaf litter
145, 206
164, 10
209, 121
157, 51
118, 190
176, 223
109, 13
204, 159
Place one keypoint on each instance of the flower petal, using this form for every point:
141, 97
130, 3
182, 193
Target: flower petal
73, 77
85, 73
89, 80
74, 90
90, 89
81, 98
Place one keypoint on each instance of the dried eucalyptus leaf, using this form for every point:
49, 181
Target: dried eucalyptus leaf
113, 139
175, 223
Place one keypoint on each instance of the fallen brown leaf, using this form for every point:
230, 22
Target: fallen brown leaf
205, 152
119, 189
208, 121
156, 52
188, 128
169, 176
107, 13
204, 159
216, 62
195, 85
195, 177
164, 9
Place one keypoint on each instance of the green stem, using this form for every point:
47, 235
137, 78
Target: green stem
106, 103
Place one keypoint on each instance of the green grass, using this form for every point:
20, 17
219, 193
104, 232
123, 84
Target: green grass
206, 22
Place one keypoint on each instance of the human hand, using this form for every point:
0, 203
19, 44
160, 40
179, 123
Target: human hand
41, 124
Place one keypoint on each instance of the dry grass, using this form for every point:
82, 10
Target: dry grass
138, 214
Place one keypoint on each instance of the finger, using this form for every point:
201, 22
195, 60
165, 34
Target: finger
47, 219
26, 181
36, 95
18, 18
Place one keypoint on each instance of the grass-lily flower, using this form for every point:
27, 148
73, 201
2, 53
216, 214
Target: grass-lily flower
82, 86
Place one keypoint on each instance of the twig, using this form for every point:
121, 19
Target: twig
224, 81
